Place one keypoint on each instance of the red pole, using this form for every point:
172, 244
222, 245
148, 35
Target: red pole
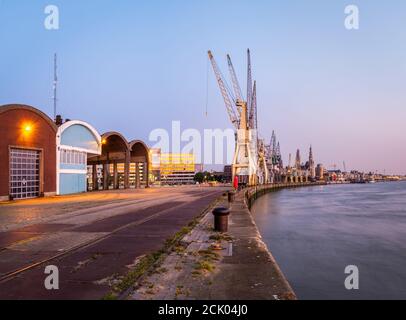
236, 182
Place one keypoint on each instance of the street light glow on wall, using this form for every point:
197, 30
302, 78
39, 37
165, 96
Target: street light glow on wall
27, 129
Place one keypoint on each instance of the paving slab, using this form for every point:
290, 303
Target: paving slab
89, 272
9, 238
59, 242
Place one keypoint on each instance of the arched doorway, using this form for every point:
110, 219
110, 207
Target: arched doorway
110, 170
139, 165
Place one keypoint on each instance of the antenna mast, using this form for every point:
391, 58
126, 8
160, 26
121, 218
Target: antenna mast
55, 84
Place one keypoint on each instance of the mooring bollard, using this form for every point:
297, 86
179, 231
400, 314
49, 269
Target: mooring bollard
231, 196
221, 219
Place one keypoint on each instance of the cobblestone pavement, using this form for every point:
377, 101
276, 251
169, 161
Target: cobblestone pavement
18, 214
90, 237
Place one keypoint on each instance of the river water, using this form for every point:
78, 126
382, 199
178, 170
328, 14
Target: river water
314, 233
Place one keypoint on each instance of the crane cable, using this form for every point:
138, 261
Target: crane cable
207, 86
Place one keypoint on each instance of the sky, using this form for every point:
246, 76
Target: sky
135, 66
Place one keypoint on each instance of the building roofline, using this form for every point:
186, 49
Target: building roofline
115, 133
11, 107
134, 142
71, 123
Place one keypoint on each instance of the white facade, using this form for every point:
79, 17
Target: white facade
75, 141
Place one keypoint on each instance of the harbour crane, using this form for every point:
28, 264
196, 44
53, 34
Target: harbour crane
249, 162
274, 159
225, 92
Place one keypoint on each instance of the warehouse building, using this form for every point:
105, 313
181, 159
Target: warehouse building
177, 169
40, 158
121, 165
27, 153
140, 165
76, 141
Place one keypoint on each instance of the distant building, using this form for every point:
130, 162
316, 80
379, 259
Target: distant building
199, 167
228, 176
332, 176
319, 172
155, 165
335, 176
218, 175
173, 169
177, 169
298, 162
311, 165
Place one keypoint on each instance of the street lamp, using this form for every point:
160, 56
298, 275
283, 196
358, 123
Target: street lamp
27, 129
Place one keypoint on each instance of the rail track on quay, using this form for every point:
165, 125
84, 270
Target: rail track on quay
151, 214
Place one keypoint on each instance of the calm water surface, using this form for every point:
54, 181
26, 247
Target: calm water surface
315, 232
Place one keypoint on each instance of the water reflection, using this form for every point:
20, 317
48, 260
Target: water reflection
314, 233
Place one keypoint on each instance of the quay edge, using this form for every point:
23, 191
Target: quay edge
250, 272
253, 193
258, 273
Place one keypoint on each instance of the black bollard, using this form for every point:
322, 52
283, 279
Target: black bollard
221, 219
231, 196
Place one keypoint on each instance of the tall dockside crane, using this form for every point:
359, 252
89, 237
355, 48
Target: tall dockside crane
249, 163
261, 150
274, 159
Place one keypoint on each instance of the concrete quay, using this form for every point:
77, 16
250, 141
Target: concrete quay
94, 239
251, 272
206, 265
97, 240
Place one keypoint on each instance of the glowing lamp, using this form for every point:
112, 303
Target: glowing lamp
27, 128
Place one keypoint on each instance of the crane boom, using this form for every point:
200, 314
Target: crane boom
229, 105
253, 112
249, 82
236, 85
